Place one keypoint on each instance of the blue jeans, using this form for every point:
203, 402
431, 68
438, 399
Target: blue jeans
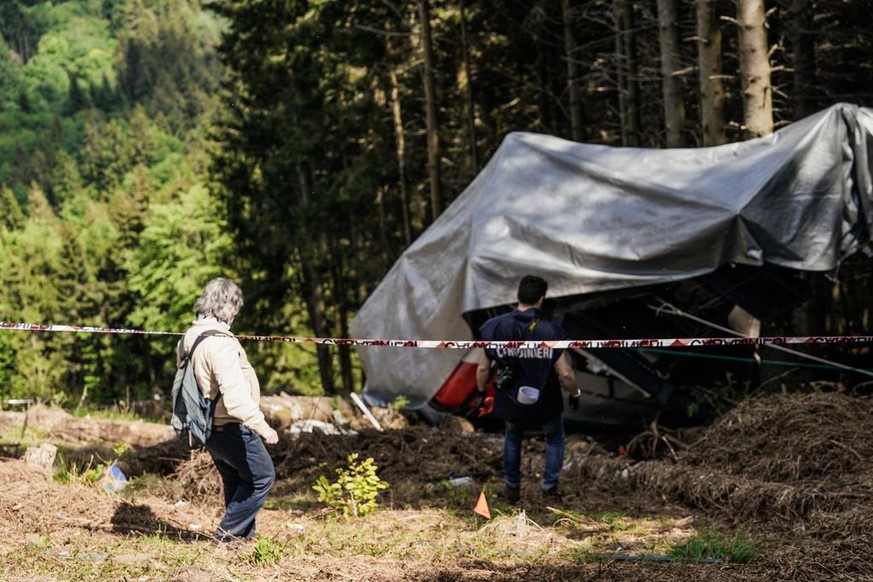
247, 473
553, 431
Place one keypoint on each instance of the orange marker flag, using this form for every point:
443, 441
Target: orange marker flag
482, 507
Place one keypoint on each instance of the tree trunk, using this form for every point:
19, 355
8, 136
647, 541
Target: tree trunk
471, 108
433, 142
674, 107
803, 51
755, 68
710, 74
400, 140
313, 287
317, 306
577, 125
341, 326
628, 84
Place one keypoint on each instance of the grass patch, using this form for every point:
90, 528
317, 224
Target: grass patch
428, 535
119, 412
265, 550
83, 559
334, 534
710, 545
167, 548
22, 437
601, 535
69, 471
616, 520
584, 554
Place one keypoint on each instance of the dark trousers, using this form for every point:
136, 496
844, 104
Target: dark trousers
553, 431
247, 473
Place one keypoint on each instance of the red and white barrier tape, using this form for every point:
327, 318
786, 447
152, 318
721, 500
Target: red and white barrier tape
585, 344
77, 328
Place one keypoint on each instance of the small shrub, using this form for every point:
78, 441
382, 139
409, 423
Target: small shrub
399, 403
354, 492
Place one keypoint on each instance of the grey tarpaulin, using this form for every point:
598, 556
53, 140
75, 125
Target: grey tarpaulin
593, 218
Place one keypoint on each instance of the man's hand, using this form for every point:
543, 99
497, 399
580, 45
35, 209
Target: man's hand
271, 437
574, 399
486, 405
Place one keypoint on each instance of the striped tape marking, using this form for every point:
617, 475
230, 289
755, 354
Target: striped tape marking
472, 344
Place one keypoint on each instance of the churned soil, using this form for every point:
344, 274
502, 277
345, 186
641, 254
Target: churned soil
790, 472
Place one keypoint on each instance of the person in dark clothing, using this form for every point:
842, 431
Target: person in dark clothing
532, 398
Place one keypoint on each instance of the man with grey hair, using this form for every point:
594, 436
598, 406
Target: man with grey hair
226, 377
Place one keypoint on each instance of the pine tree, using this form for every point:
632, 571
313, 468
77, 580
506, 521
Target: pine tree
11, 216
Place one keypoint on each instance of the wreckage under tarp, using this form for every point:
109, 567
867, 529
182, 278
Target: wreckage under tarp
740, 223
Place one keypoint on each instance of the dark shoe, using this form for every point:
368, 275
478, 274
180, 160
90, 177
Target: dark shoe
551, 493
512, 494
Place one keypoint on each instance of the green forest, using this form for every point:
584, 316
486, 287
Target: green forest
297, 147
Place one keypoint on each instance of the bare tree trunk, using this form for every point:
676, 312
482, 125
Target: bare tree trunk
383, 224
433, 142
313, 286
674, 107
710, 74
803, 50
316, 304
755, 68
341, 324
471, 109
577, 124
400, 139
628, 84
345, 355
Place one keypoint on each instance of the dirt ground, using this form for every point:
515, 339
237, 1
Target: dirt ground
790, 473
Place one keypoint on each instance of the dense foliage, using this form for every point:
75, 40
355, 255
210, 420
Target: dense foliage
107, 218
298, 146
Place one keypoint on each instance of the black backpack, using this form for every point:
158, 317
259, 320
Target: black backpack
193, 413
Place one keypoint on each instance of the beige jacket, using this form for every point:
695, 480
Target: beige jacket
221, 366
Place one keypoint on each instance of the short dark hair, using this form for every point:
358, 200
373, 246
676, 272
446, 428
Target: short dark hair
531, 289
